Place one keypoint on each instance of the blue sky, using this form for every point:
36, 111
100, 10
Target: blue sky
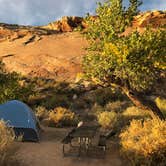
41, 12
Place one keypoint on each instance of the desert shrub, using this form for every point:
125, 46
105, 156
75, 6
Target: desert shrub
107, 120
117, 106
129, 114
109, 117
144, 142
7, 147
41, 113
79, 104
13, 86
115, 116
134, 112
55, 101
50, 93
96, 109
161, 103
62, 117
102, 96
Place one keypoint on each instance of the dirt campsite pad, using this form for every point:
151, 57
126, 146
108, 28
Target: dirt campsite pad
49, 152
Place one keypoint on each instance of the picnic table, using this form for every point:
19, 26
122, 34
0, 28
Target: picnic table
85, 132
84, 137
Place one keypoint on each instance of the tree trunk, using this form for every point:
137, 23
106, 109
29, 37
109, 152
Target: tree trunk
142, 102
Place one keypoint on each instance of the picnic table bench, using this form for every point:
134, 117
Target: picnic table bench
84, 137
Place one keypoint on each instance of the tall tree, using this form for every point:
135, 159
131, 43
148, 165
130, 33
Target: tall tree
131, 62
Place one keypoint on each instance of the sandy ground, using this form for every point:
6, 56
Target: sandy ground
49, 153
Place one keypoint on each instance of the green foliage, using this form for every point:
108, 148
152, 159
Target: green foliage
12, 86
107, 120
134, 60
143, 142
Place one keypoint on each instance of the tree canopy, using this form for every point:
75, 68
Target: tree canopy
134, 61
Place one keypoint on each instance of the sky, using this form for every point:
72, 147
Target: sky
41, 12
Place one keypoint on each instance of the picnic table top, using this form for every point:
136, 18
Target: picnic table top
85, 131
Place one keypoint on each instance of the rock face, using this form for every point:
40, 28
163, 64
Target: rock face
48, 52
66, 24
13, 32
154, 19
56, 56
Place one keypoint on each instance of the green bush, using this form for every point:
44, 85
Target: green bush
12, 86
144, 142
107, 120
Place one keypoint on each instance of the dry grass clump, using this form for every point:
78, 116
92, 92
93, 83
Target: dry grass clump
61, 117
57, 117
7, 147
41, 113
144, 142
127, 115
107, 120
112, 117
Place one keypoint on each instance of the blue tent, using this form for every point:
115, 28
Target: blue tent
21, 118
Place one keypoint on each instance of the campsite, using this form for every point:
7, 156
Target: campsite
86, 89
48, 142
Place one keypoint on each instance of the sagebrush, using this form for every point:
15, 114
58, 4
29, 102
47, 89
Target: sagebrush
144, 142
7, 146
62, 117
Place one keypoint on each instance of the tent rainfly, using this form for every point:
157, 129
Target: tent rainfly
21, 118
